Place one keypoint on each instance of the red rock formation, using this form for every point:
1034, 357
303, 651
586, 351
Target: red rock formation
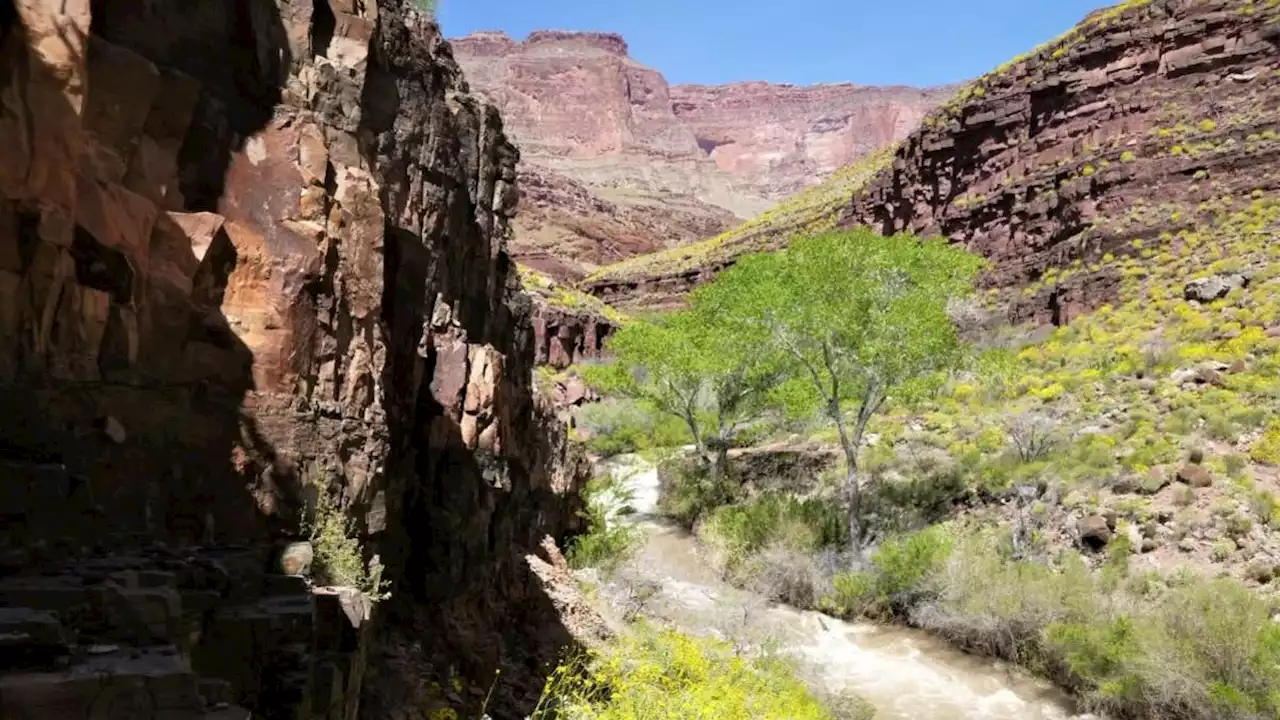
643, 166
1121, 130
783, 138
247, 248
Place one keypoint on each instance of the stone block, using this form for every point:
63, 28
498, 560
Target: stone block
117, 218
122, 86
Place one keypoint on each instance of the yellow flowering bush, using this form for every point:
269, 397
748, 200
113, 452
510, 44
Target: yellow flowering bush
667, 675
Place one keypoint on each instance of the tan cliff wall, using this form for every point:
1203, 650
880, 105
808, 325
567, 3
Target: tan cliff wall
783, 138
247, 248
619, 163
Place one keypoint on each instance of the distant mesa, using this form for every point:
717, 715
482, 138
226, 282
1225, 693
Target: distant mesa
497, 42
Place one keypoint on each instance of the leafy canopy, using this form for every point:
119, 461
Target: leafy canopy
713, 374
858, 312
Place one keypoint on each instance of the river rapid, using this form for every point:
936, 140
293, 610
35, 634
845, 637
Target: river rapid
905, 674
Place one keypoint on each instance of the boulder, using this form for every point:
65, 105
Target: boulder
1094, 531
1215, 287
1197, 476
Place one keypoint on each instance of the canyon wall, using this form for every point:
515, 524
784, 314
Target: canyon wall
253, 252
783, 138
622, 164
1130, 128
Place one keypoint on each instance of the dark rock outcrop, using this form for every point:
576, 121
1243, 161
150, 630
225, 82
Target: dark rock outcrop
249, 252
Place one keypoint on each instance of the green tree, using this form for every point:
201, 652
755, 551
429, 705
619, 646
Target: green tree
860, 316
715, 375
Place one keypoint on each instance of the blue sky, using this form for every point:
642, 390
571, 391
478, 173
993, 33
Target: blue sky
880, 42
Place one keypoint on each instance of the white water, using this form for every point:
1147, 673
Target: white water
907, 675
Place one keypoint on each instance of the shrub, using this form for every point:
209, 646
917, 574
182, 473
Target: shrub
669, 676
1032, 435
688, 492
339, 556
1178, 647
617, 426
902, 564
740, 531
607, 542
1266, 449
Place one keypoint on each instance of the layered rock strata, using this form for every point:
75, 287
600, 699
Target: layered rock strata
619, 163
1105, 142
250, 252
1125, 130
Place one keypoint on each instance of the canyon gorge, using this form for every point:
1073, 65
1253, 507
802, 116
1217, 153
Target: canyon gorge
616, 162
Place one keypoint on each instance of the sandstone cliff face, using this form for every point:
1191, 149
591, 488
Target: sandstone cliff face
783, 138
1128, 128
1131, 127
248, 249
627, 165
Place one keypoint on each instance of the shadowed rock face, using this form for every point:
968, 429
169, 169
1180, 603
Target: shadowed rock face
248, 248
1122, 130
619, 163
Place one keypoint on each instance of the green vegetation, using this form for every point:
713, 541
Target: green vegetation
695, 366
607, 542
860, 316
338, 554
620, 425
810, 211
1134, 644
666, 675
565, 297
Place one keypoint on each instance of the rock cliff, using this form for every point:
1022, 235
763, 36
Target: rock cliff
622, 164
1105, 142
783, 138
250, 253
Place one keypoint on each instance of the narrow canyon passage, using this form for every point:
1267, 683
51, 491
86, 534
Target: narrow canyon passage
905, 674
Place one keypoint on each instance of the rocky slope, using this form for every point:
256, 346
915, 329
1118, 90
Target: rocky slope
620, 163
1089, 147
251, 253
1095, 146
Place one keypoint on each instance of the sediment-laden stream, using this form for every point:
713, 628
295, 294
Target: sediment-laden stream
905, 674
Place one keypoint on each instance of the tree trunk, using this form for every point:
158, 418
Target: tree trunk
853, 499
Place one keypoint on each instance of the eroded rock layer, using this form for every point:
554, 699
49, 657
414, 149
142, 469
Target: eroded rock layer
1133, 126
620, 164
253, 251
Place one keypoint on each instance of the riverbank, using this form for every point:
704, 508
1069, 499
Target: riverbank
903, 673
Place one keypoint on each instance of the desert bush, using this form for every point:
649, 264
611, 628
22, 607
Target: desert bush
1181, 646
1032, 435
772, 520
666, 675
338, 553
688, 491
1266, 449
